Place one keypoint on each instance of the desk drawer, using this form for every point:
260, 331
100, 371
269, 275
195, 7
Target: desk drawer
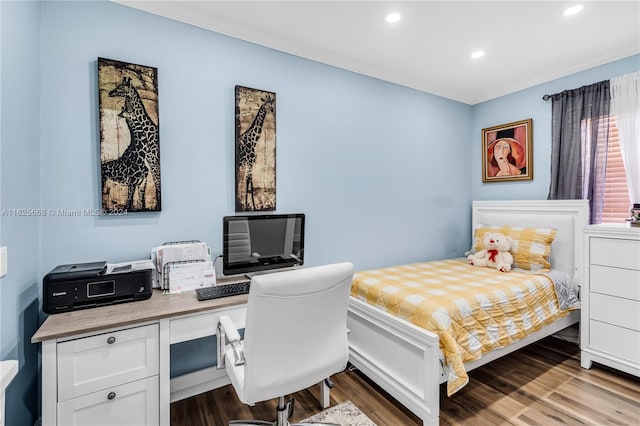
98, 362
205, 324
615, 281
615, 311
615, 252
133, 404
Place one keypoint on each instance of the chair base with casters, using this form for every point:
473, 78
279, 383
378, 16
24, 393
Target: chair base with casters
285, 410
295, 336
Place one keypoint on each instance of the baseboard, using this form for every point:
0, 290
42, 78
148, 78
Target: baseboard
195, 383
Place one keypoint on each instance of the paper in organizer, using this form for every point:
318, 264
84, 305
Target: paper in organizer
183, 266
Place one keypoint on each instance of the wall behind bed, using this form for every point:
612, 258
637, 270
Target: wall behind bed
529, 104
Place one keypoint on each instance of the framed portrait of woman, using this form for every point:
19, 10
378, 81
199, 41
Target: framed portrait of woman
507, 153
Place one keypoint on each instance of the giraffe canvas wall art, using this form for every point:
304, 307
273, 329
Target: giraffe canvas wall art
255, 149
129, 136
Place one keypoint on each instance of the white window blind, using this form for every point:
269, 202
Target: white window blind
616, 192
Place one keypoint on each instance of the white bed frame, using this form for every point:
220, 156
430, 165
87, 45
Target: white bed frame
403, 359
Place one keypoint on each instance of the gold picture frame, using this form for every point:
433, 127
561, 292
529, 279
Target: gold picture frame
255, 146
513, 159
129, 136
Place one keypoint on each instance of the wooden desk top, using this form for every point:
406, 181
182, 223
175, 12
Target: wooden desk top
157, 307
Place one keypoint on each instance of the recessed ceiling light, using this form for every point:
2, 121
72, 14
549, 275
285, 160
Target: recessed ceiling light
392, 17
573, 10
477, 54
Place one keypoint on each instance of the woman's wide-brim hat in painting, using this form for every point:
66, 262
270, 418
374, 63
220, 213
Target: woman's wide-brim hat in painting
517, 151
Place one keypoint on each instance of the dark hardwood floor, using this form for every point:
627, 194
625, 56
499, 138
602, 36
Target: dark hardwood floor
542, 384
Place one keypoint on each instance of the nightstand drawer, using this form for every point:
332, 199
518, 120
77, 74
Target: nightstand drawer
615, 310
621, 342
615, 252
98, 362
615, 281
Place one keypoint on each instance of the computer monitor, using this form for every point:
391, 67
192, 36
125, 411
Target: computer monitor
258, 243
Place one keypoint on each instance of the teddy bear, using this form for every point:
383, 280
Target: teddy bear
495, 253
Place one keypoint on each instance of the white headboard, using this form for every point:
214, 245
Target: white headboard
566, 216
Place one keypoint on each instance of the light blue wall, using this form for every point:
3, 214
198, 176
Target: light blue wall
529, 104
361, 157
20, 174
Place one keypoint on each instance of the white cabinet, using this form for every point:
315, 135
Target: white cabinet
610, 318
109, 378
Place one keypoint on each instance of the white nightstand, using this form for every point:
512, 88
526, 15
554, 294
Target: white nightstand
610, 318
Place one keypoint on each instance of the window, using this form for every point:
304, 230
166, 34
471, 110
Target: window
582, 121
616, 193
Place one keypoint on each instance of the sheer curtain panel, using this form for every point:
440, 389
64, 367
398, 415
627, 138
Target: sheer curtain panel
579, 119
625, 105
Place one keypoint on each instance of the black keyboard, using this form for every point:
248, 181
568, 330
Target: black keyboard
224, 290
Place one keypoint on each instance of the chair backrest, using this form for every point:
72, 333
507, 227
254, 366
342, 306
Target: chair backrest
296, 329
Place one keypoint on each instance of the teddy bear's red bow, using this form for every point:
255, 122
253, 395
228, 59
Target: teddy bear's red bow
492, 255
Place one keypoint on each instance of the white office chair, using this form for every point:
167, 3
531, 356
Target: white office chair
295, 336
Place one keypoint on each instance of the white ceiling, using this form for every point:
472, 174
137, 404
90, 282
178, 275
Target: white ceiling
526, 42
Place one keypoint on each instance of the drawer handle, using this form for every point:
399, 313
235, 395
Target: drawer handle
111, 340
112, 395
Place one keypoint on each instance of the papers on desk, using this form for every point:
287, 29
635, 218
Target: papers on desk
119, 268
183, 266
189, 276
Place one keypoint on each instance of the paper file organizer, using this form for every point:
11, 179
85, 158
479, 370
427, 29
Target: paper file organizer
184, 265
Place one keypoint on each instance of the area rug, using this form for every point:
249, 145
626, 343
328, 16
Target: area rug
345, 414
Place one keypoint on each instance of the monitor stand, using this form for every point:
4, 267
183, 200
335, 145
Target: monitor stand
250, 275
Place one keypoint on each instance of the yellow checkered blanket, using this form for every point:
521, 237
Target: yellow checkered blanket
472, 310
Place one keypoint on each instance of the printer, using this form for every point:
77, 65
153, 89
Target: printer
88, 285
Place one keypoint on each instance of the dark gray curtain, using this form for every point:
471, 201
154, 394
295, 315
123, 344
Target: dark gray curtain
580, 133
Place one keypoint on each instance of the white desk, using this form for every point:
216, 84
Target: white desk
113, 362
